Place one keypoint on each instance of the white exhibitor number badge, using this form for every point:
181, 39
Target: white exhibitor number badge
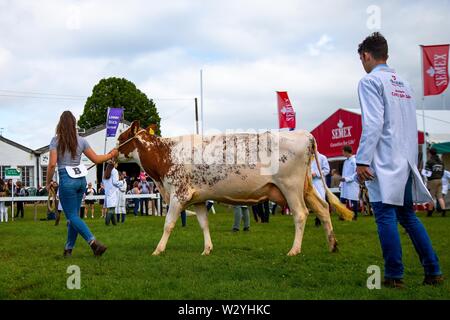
77, 171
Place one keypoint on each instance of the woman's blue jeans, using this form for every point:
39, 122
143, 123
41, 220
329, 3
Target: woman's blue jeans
386, 217
70, 194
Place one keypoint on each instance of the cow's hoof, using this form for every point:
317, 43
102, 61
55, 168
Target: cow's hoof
334, 249
207, 251
293, 252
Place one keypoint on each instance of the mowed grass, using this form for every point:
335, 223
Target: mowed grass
243, 265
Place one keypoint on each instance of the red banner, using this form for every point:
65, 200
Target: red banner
435, 69
286, 113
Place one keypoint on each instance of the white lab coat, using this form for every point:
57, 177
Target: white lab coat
389, 137
121, 201
445, 181
350, 187
317, 181
111, 186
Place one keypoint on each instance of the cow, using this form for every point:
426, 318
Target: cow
240, 168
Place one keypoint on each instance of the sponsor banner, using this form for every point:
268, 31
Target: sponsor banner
112, 121
286, 113
435, 69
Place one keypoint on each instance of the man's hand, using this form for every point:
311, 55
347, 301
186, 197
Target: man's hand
342, 180
364, 173
314, 175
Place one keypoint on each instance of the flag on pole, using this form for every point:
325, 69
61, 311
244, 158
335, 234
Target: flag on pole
286, 113
435, 69
112, 121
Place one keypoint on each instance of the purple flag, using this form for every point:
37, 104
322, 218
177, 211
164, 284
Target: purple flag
112, 121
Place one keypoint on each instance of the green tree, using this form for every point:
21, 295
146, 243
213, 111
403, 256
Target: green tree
119, 93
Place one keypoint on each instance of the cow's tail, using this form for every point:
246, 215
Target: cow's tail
341, 209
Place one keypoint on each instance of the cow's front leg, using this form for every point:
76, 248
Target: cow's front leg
202, 217
171, 219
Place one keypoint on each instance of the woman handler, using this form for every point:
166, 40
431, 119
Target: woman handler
65, 151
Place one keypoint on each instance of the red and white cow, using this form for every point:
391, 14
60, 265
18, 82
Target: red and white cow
235, 169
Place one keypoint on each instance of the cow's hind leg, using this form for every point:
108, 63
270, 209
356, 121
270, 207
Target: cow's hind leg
171, 219
202, 217
321, 209
297, 206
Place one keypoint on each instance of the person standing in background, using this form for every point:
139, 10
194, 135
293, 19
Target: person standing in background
20, 192
101, 192
135, 191
241, 213
121, 209
317, 177
112, 183
144, 186
90, 191
3, 208
445, 182
434, 170
350, 186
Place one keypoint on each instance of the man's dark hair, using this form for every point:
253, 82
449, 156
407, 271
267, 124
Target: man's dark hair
347, 149
432, 151
376, 45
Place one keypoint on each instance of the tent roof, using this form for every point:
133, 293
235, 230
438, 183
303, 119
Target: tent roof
442, 147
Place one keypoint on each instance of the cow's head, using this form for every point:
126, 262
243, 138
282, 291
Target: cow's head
126, 142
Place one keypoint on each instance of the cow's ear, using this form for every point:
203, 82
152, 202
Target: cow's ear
134, 127
151, 129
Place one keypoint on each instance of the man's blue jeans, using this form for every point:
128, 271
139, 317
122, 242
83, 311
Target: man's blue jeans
386, 217
70, 194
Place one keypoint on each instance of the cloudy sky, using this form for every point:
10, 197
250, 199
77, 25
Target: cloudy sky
52, 53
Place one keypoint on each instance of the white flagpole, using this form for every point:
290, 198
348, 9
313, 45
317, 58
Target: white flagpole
201, 99
424, 145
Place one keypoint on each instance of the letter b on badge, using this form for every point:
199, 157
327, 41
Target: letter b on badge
74, 280
374, 280
76, 170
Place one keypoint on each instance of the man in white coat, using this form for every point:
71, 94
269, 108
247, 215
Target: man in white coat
350, 185
317, 177
387, 161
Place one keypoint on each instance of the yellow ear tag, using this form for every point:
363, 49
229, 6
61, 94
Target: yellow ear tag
150, 130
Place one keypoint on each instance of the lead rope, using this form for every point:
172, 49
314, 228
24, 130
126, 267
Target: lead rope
121, 145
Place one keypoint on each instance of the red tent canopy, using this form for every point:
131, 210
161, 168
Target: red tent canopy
341, 128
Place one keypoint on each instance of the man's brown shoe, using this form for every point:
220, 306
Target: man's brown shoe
433, 280
98, 248
67, 253
394, 283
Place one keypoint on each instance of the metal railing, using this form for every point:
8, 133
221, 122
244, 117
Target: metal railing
37, 199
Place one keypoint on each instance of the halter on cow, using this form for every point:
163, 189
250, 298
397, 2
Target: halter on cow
189, 170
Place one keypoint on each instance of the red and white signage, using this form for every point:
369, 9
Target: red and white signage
435, 69
286, 113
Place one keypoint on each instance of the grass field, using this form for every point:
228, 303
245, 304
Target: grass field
250, 265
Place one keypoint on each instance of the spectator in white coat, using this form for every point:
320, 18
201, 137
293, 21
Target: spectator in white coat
3, 208
317, 177
445, 181
121, 209
112, 183
350, 185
